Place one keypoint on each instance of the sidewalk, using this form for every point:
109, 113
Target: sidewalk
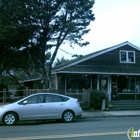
104, 114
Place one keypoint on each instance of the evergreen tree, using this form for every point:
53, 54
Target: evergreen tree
40, 25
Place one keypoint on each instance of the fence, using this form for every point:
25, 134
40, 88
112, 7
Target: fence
82, 95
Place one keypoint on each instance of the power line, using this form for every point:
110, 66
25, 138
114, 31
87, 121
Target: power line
66, 52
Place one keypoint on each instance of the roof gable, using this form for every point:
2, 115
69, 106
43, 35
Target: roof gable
92, 55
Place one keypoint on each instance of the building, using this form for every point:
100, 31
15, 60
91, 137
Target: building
115, 69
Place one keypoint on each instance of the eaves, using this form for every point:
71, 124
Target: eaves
108, 73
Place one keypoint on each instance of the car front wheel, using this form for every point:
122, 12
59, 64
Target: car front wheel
10, 118
68, 116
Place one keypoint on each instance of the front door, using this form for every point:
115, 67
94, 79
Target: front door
104, 82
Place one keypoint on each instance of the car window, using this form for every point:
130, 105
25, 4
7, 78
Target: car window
35, 99
52, 98
65, 99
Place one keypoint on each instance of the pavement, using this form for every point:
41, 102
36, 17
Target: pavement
104, 114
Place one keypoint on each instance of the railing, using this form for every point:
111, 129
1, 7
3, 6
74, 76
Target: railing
81, 95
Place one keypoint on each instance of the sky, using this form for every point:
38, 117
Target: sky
116, 21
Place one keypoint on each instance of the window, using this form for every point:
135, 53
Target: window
35, 99
78, 82
127, 84
127, 56
55, 98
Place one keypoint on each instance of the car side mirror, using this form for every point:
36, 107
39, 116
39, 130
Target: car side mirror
25, 102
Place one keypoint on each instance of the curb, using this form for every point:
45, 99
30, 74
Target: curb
109, 116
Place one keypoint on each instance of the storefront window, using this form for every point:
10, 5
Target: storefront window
126, 84
78, 82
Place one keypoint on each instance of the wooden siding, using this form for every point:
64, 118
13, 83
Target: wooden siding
112, 58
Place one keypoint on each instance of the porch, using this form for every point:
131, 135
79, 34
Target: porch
118, 87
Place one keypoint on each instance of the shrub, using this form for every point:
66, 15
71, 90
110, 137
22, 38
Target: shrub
96, 98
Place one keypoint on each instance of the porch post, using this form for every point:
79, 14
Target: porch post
56, 83
98, 82
91, 81
109, 86
136, 87
65, 83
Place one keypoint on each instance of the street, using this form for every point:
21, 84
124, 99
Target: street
89, 128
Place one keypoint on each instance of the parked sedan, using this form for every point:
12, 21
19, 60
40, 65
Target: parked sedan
41, 106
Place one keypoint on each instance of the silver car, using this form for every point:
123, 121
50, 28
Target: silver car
41, 106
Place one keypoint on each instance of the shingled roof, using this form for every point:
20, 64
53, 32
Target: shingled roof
72, 67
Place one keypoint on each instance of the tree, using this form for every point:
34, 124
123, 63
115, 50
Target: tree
77, 56
13, 34
47, 24
60, 61
60, 21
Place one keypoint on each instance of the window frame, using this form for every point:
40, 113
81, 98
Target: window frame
127, 56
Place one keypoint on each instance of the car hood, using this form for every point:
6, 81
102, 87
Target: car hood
7, 105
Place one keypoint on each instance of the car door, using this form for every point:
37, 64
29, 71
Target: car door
53, 106
32, 108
